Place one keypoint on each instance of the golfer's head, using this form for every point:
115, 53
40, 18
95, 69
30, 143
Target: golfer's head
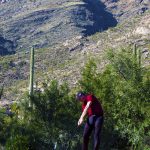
80, 96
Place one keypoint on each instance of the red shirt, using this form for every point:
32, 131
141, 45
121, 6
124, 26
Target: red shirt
95, 107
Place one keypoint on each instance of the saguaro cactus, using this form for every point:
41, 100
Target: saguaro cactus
135, 51
137, 54
139, 57
1, 91
31, 72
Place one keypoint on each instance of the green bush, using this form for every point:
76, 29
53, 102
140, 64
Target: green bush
123, 88
51, 121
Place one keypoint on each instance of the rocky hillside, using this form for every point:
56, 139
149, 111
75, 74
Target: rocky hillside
65, 33
126, 9
46, 22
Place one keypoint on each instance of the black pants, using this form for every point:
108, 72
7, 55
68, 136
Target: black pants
93, 123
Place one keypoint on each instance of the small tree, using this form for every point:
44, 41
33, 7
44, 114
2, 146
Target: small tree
123, 89
51, 123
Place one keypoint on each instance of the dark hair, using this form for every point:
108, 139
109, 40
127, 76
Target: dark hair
79, 95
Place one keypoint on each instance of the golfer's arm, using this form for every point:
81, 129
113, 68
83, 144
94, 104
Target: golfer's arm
85, 109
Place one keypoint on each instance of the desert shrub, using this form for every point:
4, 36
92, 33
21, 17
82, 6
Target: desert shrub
51, 121
123, 88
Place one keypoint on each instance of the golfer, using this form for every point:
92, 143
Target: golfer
91, 107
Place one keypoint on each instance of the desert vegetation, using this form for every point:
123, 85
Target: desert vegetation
51, 121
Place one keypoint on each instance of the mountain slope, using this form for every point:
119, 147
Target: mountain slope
126, 9
44, 23
65, 34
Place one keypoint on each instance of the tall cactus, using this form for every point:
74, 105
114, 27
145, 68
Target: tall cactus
137, 54
1, 91
31, 72
135, 51
139, 57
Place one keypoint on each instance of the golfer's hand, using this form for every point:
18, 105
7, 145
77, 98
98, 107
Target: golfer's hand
80, 121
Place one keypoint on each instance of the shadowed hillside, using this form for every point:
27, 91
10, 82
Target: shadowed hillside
6, 47
102, 19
